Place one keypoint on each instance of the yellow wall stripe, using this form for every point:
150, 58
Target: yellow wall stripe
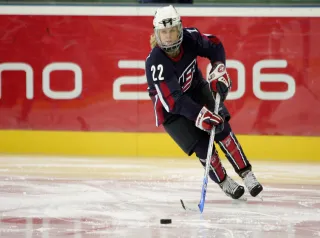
280, 148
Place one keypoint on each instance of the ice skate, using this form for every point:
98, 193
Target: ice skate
231, 188
251, 183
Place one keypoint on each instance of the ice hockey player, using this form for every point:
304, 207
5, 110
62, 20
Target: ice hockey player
184, 101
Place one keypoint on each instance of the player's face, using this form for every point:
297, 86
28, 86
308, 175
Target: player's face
168, 36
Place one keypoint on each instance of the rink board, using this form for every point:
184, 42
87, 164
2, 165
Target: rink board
58, 97
280, 148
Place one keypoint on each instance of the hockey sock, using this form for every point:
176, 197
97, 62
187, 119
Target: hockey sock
234, 153
217, 172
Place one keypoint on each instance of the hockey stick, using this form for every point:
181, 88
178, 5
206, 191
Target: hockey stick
209, 154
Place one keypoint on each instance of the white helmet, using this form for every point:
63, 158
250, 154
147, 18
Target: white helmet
167, 17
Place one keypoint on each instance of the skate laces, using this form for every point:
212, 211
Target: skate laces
250, 180
229, 185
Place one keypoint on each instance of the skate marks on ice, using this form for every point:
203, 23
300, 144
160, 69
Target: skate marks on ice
64, 197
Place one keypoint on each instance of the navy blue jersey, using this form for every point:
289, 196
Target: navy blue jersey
172, 80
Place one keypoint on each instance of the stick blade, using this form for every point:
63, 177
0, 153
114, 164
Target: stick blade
182, 203
188, 208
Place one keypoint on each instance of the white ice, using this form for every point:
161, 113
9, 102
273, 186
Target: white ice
127, 197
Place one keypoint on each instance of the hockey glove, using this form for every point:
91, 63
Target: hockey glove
219, 80
206, 120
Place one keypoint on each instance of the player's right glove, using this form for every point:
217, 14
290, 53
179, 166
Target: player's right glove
206, 120
219, 80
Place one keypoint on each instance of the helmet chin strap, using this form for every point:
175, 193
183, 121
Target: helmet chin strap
173, 53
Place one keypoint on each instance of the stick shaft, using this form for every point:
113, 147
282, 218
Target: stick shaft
209, 154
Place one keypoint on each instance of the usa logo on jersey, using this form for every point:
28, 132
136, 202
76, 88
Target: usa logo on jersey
186, 77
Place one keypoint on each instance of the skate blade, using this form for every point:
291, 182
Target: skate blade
260, 197
241, 199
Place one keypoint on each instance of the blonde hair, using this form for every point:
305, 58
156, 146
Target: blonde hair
153, 41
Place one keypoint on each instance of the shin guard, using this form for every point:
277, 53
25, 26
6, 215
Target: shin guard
234, 153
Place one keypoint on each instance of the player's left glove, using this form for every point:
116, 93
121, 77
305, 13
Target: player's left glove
219, 80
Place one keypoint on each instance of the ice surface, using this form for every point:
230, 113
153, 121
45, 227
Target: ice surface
123, 197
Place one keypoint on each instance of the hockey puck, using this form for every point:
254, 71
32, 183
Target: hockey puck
165, 221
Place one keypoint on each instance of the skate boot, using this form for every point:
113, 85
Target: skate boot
231, 188
251, 183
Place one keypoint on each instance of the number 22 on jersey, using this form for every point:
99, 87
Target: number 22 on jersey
157, 72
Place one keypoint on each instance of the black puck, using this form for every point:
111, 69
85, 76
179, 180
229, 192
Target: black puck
165, 221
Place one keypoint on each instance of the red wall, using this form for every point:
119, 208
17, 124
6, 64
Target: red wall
94, 46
